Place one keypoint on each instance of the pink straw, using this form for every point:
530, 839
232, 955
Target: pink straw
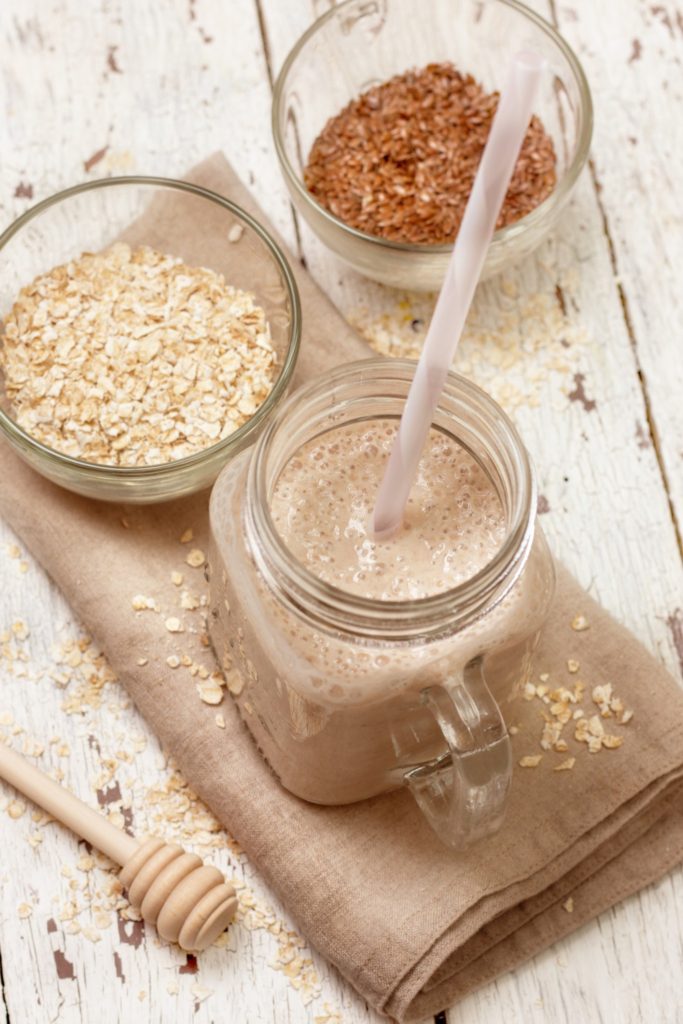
476, 230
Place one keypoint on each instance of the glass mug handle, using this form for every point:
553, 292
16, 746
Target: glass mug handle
463, 792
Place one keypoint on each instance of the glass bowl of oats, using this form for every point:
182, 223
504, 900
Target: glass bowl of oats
380, 115
148, 328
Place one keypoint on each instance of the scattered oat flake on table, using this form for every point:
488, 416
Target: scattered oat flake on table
530, 761
173, 988
220, 721
573, 666
13, 551
16, 809
610, 705
196, 558
20, 629
551, 734
580, 623
139, 743
209, 691
562, 695
612, 742
173, 661
579, 690
187, 536
234, 681
590, 731
31, 748
235, 233
490, 342
602, 696
24, 910
189, 601
616, 705
200, 992
565, 766
569, 905
142, 661
177, 578
297, 968
141, 603
328, 1016
174, 625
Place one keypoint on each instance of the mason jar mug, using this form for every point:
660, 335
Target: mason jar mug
349, 696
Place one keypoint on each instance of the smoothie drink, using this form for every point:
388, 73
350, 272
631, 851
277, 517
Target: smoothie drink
322, 504
347, 656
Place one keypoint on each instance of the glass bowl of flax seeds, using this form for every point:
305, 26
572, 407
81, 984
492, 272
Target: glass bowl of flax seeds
148, 328
380, 115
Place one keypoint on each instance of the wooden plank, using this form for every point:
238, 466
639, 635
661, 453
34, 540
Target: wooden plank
133, 89
606, 508
636, 152
129, 89
3, 1005
110, 970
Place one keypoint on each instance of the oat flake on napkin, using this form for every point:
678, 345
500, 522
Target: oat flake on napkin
410, 924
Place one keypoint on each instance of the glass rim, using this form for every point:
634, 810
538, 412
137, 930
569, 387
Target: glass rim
501, 235
17, 433
419, 614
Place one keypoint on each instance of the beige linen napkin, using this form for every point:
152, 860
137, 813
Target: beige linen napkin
410, 924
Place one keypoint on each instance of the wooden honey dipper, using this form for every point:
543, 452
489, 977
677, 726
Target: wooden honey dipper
189, 902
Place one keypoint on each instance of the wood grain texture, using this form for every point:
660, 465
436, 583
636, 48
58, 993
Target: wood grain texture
125, 87
3, 1007
637, 147
132, 88
119, 971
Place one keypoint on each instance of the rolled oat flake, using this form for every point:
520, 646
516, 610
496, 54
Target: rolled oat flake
130, 357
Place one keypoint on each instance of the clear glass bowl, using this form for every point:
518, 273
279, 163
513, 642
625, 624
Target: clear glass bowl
361, 43
177, 218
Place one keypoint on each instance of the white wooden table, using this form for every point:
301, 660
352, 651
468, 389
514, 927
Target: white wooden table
581, 343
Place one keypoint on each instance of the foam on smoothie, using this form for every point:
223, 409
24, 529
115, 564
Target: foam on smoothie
323, 500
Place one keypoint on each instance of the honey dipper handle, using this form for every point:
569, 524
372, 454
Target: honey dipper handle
63, 805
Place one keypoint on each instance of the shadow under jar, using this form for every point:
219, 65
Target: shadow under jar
360, 44
348, 696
